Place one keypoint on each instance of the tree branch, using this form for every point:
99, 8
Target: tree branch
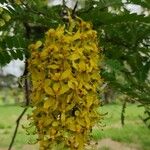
16, 129
123, 113
74, 9
26, 83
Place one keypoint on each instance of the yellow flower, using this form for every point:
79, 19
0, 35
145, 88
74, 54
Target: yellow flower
65, 76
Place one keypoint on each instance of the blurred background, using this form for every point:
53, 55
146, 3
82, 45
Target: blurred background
11, 91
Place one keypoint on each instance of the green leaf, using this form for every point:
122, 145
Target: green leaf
5, 58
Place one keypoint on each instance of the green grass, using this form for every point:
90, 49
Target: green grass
8, 116
134, 131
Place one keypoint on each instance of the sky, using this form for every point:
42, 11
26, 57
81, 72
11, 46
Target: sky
15, 67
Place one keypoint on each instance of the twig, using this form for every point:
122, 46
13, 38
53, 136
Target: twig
27, 84
74, 9
64, 3
123, 113
16, 129
25, 109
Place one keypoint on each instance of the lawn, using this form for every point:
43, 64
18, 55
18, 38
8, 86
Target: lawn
134, 133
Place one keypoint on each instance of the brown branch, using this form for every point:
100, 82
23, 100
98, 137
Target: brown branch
64, 3
74, 9
16, 129
26, 82
123, 113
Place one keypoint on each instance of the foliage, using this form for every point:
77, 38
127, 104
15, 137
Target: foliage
125, 40
28, 20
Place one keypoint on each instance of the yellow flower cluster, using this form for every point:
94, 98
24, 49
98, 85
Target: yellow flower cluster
4, 17
65, 75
